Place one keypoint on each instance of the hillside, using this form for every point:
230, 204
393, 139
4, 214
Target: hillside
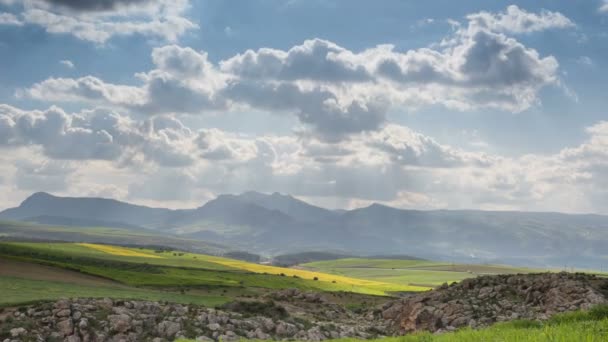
162, 268
278, 224
526, 315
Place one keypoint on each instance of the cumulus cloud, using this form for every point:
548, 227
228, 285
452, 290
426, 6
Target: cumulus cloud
333, 91
10, 19
184, 81
317, 60
98, 21
517, 20
98, 135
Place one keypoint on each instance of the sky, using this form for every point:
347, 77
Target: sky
494, 105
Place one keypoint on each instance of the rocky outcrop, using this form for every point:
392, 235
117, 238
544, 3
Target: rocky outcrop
481, 301
297, 315
92, 320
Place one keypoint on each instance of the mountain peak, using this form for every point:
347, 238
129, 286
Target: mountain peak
38, 196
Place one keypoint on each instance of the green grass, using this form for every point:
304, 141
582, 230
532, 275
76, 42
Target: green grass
591, 326
18, 291
411, 272
77, 250
144, 267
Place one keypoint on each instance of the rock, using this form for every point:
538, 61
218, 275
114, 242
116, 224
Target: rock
120, 323
72, 338
213, 326
315, 334
16, 332
65, 327
84, 324
63, 313
62, 304
168, 329
284, 329
484, 300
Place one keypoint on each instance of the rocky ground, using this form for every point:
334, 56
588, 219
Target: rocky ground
479, 302
296, 315
288, 314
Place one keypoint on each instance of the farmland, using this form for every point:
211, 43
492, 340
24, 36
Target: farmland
162, 268
412, 272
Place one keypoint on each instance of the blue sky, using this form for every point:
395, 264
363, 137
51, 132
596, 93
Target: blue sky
476, 104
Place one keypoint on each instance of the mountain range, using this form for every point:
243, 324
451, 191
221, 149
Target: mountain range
274, 223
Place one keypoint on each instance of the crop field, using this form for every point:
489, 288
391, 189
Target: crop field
145, 267
411, 272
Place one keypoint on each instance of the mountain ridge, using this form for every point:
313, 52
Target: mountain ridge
275, 223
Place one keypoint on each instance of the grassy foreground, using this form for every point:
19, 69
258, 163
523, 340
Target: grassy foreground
591, 326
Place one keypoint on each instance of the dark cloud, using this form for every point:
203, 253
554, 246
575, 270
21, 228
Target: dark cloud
95, 5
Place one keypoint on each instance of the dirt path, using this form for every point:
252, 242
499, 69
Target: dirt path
33, 271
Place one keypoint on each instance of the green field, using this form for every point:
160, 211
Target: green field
411, 272
168, 269
19, 291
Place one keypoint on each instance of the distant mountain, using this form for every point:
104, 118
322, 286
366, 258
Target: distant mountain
288, 205
281, 224
83, 208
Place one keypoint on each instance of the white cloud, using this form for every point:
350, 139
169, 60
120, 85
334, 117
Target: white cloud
98, 135
333, 91
604, 7
517, 20
99, 21
10, 19
67, 63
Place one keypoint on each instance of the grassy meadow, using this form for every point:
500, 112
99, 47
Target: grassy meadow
167, 269
422, 273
